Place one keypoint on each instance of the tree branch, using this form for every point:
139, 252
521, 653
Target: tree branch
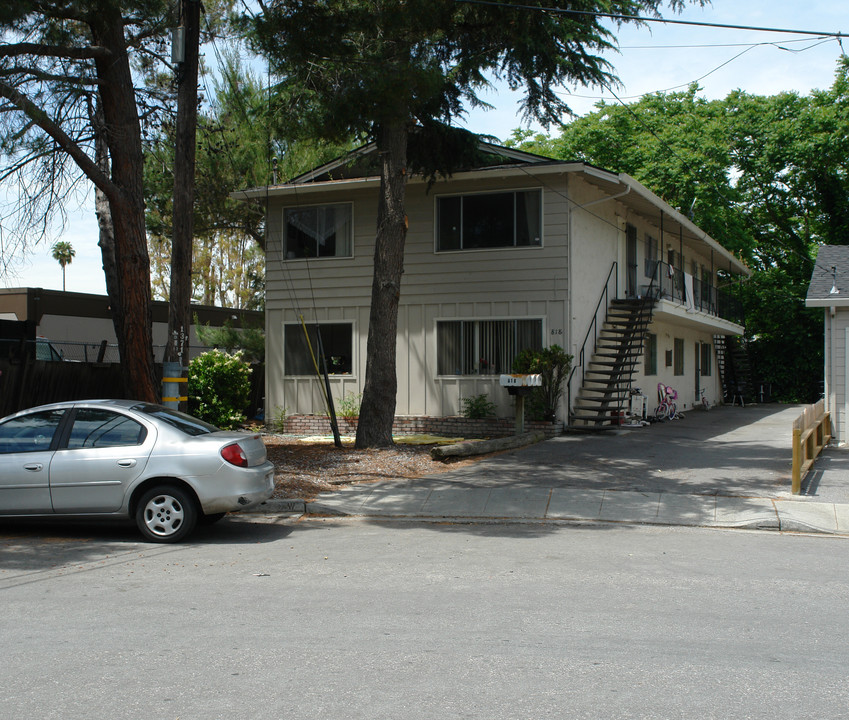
40, 118
36, 74
72, 53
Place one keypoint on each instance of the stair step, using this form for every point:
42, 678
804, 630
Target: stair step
617, 330
615, 360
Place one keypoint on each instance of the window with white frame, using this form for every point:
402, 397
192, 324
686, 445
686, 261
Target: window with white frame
334, 339
489, 220
318, 231
484, 347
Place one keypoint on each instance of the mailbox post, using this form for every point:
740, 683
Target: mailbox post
520, 385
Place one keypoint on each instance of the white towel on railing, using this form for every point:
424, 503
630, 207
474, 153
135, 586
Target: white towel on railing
688, 293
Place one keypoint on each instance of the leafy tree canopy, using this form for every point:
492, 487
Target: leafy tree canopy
347, 67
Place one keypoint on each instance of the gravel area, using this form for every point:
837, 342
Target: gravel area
306, 467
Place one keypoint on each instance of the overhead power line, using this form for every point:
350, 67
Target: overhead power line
640, 18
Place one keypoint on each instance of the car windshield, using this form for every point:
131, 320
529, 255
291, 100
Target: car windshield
185, 423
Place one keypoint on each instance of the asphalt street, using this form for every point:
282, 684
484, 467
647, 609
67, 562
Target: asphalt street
367, 619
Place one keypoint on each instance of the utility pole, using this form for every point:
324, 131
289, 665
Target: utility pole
185, 57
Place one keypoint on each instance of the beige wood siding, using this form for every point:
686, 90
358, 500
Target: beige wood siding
509, 283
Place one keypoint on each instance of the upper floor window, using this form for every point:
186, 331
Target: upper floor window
651, 256
318, 231
489, 220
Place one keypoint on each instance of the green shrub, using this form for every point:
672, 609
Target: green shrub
349, 406
277, 422
553, 364
478, 407
219, 388
251, 340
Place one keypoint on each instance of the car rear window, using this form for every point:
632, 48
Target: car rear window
185, 423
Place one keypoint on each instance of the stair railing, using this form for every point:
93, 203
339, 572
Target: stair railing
643, 321
592, 331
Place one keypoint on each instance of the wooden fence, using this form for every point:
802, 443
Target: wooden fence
811, 433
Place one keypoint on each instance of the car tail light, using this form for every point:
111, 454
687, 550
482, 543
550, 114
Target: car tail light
234, 455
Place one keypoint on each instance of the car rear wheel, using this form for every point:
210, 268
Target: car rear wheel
166, 514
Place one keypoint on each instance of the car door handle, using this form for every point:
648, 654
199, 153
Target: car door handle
127, 463
34, 467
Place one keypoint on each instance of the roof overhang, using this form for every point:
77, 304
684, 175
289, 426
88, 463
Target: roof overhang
624, 189
834, 301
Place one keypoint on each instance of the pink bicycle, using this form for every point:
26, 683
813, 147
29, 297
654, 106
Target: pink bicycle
667, 408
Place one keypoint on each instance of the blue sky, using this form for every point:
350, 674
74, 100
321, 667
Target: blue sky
654, 58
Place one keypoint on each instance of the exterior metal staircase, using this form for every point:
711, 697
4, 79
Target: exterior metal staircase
732, 364
608, 376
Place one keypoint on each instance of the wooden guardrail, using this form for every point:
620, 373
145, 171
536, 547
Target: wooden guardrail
811, 433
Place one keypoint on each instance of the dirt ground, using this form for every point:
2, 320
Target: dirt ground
308, 467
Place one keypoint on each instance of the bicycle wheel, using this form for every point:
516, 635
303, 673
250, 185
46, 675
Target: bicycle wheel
662, 411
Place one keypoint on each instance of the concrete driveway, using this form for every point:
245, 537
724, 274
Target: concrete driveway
724, 451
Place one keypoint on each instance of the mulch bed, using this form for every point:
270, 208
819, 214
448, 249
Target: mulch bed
306, 468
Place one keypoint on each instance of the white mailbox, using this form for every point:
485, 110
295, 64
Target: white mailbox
519, 380
520, 384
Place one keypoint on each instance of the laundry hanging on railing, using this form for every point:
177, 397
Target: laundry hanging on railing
689, 301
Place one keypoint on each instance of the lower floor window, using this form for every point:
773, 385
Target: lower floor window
484, 347
651, 354
705, 360
678, 356
335, 339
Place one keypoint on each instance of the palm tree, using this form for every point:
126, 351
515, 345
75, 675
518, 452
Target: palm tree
63, 253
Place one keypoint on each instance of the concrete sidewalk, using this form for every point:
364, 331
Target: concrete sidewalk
729, 468
442, 501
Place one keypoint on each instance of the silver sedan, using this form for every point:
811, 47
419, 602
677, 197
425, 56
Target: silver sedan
164, 469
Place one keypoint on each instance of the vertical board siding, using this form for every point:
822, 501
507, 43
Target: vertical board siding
495, 283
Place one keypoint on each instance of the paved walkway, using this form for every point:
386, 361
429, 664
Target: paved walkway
729, 467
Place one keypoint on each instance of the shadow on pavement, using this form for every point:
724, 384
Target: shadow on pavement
726, 451
28, 545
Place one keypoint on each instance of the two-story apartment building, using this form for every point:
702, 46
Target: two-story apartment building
521, 251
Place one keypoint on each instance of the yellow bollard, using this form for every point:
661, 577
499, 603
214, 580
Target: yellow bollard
797, 461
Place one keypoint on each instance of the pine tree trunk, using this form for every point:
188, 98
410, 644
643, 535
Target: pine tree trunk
377, 410
123, 137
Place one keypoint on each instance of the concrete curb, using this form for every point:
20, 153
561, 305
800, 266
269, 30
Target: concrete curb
562, 506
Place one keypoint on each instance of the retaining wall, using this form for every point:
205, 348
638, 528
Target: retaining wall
419, 425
